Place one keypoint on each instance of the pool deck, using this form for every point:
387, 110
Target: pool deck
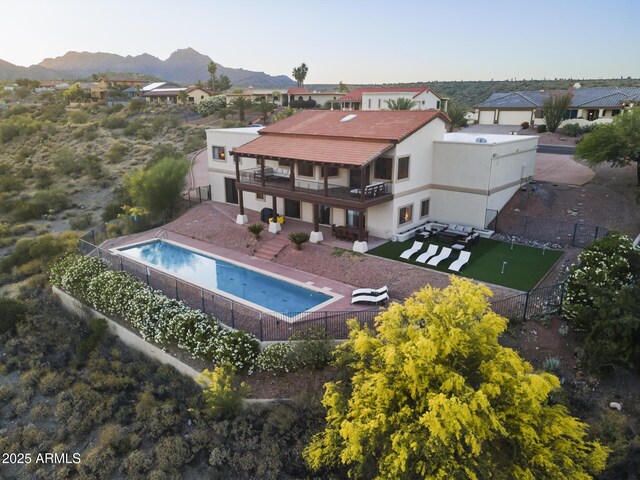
341, 290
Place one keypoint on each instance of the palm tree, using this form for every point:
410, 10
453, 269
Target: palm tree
300, 73
400, 104
342, 87
265, 108
241, 105
183, 97
211, 68
456, 113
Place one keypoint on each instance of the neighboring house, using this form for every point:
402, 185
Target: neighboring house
378, 173
52, 86
376, 98
276, 96
10, 87
302, 94
587, 105
165, 94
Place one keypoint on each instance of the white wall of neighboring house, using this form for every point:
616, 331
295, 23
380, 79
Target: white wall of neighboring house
198, 95
378, 100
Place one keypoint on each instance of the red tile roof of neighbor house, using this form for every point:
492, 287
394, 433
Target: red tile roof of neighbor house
298, 91
389, 125
356, 95
336, 151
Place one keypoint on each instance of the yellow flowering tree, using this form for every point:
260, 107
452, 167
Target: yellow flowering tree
432, 394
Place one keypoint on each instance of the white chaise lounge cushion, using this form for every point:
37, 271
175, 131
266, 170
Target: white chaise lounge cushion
431, 251
407, 253
370, 298
446, 251
462, 260
370, 291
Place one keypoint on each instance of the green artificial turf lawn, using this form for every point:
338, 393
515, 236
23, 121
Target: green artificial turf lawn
526, 266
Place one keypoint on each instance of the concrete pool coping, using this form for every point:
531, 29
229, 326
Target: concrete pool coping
341, 291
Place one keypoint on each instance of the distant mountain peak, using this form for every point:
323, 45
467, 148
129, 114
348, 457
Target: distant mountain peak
185, 65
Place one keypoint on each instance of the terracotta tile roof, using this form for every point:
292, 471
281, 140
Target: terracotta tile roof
298, 91
389, 125
336, 151
356, 95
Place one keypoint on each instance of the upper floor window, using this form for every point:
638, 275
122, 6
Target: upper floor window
305, 169
403, 168
218, 153
382, 168
438, 104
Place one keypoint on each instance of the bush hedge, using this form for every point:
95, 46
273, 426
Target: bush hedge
157, 317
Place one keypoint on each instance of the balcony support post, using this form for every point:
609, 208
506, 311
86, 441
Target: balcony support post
274, 226
241, 219
326, 180
316, 234
292, 175
362, 184
261, 161
360, 245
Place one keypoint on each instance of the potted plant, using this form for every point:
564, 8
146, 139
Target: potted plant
298, 238
256, 229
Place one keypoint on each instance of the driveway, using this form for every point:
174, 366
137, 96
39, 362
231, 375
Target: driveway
561, 169
494, 129
557, 149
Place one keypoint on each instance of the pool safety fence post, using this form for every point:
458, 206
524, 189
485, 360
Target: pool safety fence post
233, 320
261, 331
563, 288
121, 266
575, 229
176, 284
326, 324
202, 300
526, 306
93, 236
146, 271
525, 226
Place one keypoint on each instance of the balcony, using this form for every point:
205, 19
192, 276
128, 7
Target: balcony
277, 181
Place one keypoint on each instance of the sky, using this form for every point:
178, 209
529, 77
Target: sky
353, 41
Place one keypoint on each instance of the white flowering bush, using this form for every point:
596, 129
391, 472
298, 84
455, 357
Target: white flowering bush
277, 358
602, 301
157, 317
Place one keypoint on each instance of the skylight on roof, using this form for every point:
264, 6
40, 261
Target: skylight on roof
349, 117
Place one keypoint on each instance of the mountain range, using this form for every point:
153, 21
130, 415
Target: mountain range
184, 65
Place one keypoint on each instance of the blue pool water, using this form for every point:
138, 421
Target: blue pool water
213, 274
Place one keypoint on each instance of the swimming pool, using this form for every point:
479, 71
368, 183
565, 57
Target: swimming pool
217, 275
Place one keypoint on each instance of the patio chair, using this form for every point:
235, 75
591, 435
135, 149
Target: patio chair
446, 251
370, 291
431, 251
462, 260
370, 298
407, 253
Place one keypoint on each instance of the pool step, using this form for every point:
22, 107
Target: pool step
271, 248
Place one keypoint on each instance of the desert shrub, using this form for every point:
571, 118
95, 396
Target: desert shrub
80, 408
233, 124
21, 228
54, 111
157, 188
98, 329
541, 128
572, 129
255, 229
223, 397
116, 152
66, 162
92, 166
277, 358
164, 150
524, 125
44, 201
113, 122
12, 312
10, 183
42, 249
134, 127
298, 238
79, 117
82, 221
164, 121
146, 133
303, 104
137, 464
602, 300
194, 141
172, 453
312, 348
136, 106
6, 394
29, 380
551, 364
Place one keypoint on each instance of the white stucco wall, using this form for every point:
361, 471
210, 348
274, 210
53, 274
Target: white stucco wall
377, 100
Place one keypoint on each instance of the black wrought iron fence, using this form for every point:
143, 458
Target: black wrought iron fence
532, 304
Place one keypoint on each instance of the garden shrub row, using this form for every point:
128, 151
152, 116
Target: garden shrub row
157, 317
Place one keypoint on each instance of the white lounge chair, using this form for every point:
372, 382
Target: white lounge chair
446, 251
431, 251
370, 298
370, 291
407, 253
462, 260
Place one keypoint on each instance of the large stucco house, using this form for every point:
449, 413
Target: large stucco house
379, 173
599, 104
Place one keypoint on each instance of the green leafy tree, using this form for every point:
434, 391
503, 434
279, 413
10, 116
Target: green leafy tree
342, 87
300, 73
554, 108
265, 108
222, 396
157, 188
602, 301
241, 105
432, 394
400, 104
617, 143
211, 105
223, 83
212, 68
76, 94
183, 97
